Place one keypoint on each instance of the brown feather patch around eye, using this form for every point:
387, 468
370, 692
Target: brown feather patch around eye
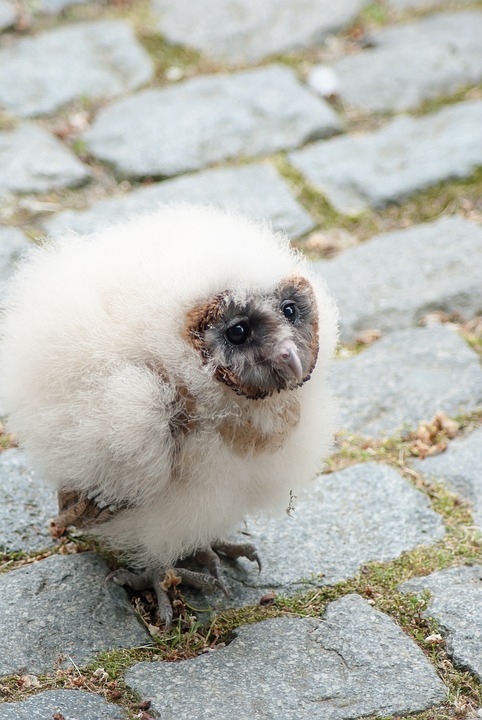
298, 284
199, 318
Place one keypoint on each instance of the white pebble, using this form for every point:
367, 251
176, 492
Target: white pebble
323, 80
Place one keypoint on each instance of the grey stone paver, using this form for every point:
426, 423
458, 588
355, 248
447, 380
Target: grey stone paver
71, 704
391, 281
12, 244
52, 7
460, 467
208, 119
456, 604
354, 661
392, 77
247, 30
407, 377
343, 520
33, 160
62, 606
256, 190
424, 4
391, 164
26, 505
99, 60
8, 15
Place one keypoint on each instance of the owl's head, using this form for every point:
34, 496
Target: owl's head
211, 290
258, 343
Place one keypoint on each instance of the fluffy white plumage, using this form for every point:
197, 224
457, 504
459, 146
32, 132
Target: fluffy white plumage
96, 364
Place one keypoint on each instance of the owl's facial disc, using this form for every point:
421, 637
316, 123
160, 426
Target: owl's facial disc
262, 344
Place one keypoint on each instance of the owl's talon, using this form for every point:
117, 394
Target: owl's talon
255, 558
200, 581
209, 559
136, 581
224, 589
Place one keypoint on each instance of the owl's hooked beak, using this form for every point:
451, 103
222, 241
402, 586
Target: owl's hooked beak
286, 355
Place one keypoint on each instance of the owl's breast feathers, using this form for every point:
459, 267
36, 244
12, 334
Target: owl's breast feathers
253, 432
252, 429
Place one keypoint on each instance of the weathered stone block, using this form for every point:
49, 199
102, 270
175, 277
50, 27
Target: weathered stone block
208, 119
391, 164
354, 661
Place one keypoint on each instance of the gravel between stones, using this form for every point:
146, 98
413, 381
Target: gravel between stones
423, 4
52, 7
460, 467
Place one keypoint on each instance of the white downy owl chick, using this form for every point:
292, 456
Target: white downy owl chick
157, 374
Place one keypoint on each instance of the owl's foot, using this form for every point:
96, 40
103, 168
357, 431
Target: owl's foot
161, 581
236, 550
209, 558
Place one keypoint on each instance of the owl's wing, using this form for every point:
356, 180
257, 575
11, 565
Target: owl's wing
84, 512
129, 427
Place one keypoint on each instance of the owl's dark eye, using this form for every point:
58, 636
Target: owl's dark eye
290, 311
238, 334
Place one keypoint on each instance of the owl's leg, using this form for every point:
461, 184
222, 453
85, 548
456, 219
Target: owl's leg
161, 580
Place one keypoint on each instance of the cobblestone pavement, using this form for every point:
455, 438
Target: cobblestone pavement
370, 598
